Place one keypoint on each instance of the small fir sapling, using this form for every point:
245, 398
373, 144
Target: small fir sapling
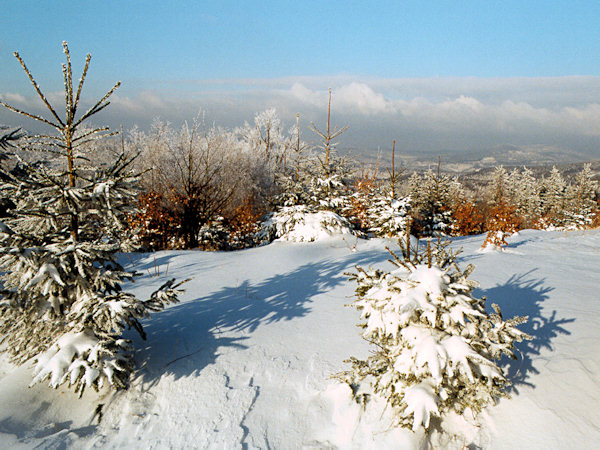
376, 209
436, 347
388, 214
388, 217
328, 187
61, 301
293, 178
434, 196
582, 205
319, 198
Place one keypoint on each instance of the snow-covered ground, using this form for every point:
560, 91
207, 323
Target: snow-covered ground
245, 359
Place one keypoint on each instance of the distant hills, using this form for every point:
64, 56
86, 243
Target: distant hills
537, 157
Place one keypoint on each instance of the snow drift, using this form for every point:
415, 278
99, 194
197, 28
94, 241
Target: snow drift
245, 359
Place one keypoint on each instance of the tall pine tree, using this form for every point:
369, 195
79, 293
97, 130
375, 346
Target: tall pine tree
61, 301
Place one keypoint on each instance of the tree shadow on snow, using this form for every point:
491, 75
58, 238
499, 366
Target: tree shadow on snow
53, 435
189, 336
159, 263
522, 295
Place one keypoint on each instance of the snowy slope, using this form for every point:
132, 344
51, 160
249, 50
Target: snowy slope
245, 359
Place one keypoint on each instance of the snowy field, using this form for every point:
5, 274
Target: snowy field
244, 361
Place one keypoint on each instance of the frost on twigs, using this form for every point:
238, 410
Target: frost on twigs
436, 346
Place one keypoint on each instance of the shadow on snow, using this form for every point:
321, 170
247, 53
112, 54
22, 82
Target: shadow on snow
522, 295
187, 337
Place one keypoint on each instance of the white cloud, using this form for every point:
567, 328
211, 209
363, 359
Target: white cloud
305, 95
10, 98
362, 99
423, 114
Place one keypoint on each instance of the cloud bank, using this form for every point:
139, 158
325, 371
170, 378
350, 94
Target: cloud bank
444, 115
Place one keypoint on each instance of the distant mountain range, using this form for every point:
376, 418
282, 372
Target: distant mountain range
461, 162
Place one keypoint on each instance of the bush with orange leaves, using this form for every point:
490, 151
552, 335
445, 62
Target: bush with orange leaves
244, 224
467, 219
596, 219
155, 224
361, 199
502, 222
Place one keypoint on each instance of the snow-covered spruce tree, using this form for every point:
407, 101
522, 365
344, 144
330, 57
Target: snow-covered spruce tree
388, 216
329, 172
554, 198
320, 198
388, 212
582, 205
293, 177
8, 137
61, 301
377, 208
292, 204
500, 188
436, 345
433, 197
524, 195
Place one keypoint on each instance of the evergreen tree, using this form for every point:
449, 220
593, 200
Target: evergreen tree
434, 196
8, 137
319, 197
582, 204
293, 178
61, 299
436, 346
525, 196
328, 187
386, 215
329, 172
500, 187
553, 197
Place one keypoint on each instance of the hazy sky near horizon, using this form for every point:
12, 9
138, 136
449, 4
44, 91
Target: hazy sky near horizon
438, 76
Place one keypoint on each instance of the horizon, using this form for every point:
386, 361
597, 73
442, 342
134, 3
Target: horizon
445, 78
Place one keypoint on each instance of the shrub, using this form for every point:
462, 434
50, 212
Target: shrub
435, 346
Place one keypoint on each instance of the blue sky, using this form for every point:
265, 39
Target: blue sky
240, 57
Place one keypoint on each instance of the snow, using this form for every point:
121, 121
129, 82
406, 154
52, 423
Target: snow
55, 362
299, 224
421, 401
245, 359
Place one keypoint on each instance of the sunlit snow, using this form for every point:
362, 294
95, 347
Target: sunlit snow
244, 361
